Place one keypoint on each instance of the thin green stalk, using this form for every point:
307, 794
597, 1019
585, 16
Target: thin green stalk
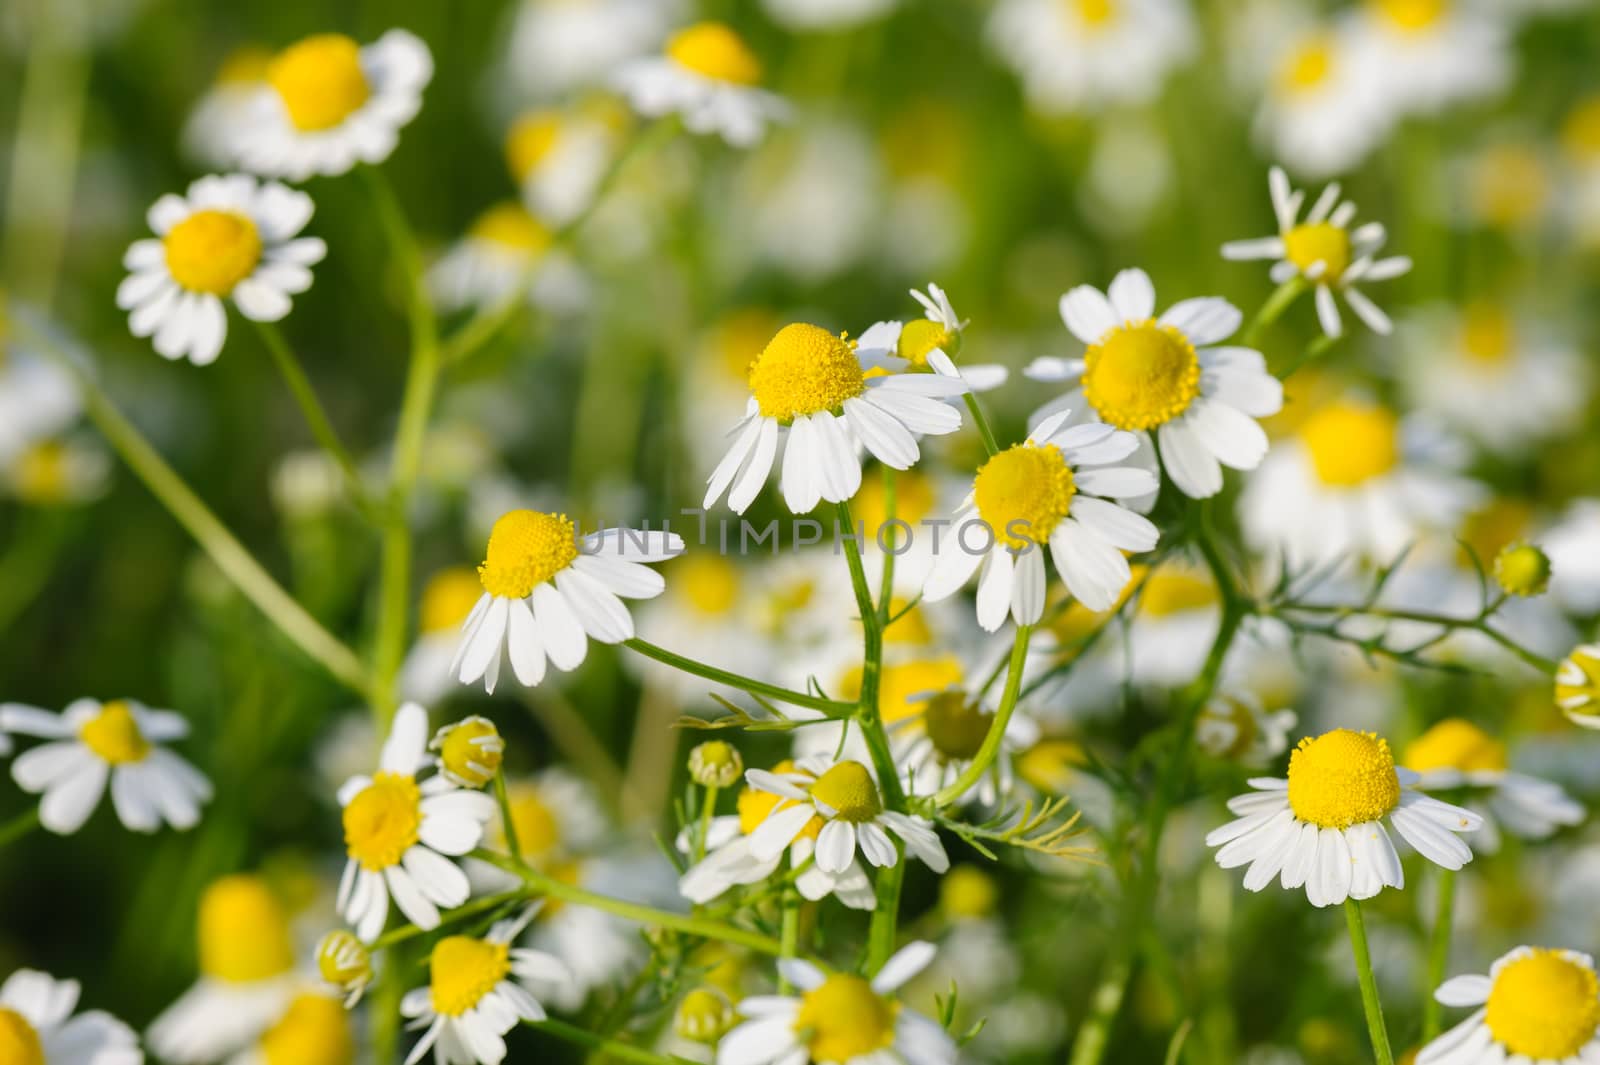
294, 375
867, 715
831, 707
1438, 954
571, 734
1280, 300
1428, 617
997, 728
507, 822
611, 1047
883, 932
886, 580
1369, 985
982, 423
708, 810
790, 934
472, 909
19, 826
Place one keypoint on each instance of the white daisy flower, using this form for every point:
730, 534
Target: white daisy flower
93, 743
38, 401
932, 341
476, 994
824, 15
1575, 564
228, 238
1322, 828
936, 744
58, 473
1423, 55
1143, 374
1325, 251
545, 594
555, 46
1578, 685
37, 1026
400, 835
559, 158
494, 259
1319, 113
710, 78
813, 387
1233, 725
841, 1019
220, 119
1056, 489
844, 795
330, 103
314, 1027
1536, 1005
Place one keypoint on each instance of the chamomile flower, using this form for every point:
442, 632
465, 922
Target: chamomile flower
345, 964
545, 594
932, 341
1424, 55
1057, 489
710, 78
1322, 828
1233, 725
559, 157
814, 388
330, 103
823, 15
1319, 113
447, 600
1163, 376
934, 745
37, 1026
221, 117
1324, 251
841, 1019
1536, 1004
555, 46
476, 994
1578, 685
58, 472
506, 249
314, 1029
229, 238
38, 401
400, 835
93, 743
470, 751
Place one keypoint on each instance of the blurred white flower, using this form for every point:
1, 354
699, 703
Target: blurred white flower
1083, 55
824, 15
554, 46
710, 78
1423, 55
507, 249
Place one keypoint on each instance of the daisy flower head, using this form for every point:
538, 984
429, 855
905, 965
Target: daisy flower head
1423, 55
476, 994
1325, 251
1164, 379
1234, 726
470, 751
507, 248
1578, 685
545, 594
229, 238
1322, 828
1536, 1004
1058, 489
825, 394
37, 1026
330, 103
401, 835
558, 158
709, 77
93, 744
932, 342
937, 742
1319, 113
842, 1019
59, 472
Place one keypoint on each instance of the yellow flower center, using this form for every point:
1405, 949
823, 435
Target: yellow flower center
956, 725
19, 1043
448, 598
510, 226
1049, 764
910, 628
243, 931
1023, 493
1544, 1006
1174, 591
1584, 689
968, 893
1141, 374
900, 681
844, 1019
532, 138
464, 970
42, 475
713, 50
1580, 133
1486, 333
245, 66
1318, 242
1351, 443
212, 251
526, 548
538, 828
1412, 15
343, 959
804, 370
710, 582
467, 758
1308, 65
1454, 744
1522, 570
1342, 778
381, 822
756, 806
320, 81
313, 1031
114, 735
920, 337
849, 790
1093, 13
1508, 184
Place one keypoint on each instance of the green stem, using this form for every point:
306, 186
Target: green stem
886, 580
982, 423
294, 375
19, 826
830, 707
1280, 300
1369, 985
507, 822
455, 916
867, 715
611, 1047
1438, 954
790, 934
997, 728
883, 931
1426, 617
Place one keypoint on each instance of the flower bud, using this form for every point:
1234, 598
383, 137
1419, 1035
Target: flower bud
1522, 569
469, 751
716, 765
704, 1015
345, 963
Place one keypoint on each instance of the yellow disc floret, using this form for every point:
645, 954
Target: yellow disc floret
1351, 443
1318, 242
464, 970
1023, 493
19, 1043
1170, 591
968, 893
1308, 65
901, 683
803, 370
212, 251
713, 50
1342, 778
315, 1030
1487, 333
1141, 374
956, 725
1411, 15
1544, 1006
1578, 678
920, 337
1093, 13
114, 734
448, 598
538, 827
709, 581
1454, 744
320, 81
526, 548
844, 1018
470, 751
1522, 570
381, 822
848, 789
243, 931
532, 138
510, 226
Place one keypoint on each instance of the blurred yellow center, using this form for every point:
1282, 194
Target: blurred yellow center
1580, 678
19, 1043
1491, 527
710, 582
1308, 65
526, 548
1509, 184
1580, 133
804, 370
1454, 744
1318, 242
968, 893
910, 627
956, 725
531, 140
243, 931
1486, 333
844, 1019
1342, 778
1351, 443
713, 50
510, 226
314, 1031
920, 337
1048, 765
1412, 15
320, 81
42, 473
212, 251
381, 822
1023, 493
472, 751
1174, 591
1093, 12
849, 790
465, 970
900, 682
114, 735
1544, 1006
704, 1015
448, 598
245, 66
538, 828
1141, 374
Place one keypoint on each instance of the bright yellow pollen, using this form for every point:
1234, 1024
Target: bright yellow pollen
1342, 778
1351, 443
845, 1019
920, 337
538, 828
1454, 744
713, 50
710, 582
756, 806
1580, 133
1049, 764
1585, 690
314, 1031
114, 735
243, 931
212, 251
1171, 591
803, 370
526, 548
1141, 374
245, 66
472, 751
956, 725
531, 140
381, 822
19, 1043
1023, 493
1522, 570
968, 893
1412, 15
1308, 65
848, 788
448, 598
1544, 1006
464, 970
1094, 12
510, 226
1318, 242
1486, 333
320, 81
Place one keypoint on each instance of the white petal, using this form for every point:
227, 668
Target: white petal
1205, 320
1132, 296
563, 636
1088, 314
